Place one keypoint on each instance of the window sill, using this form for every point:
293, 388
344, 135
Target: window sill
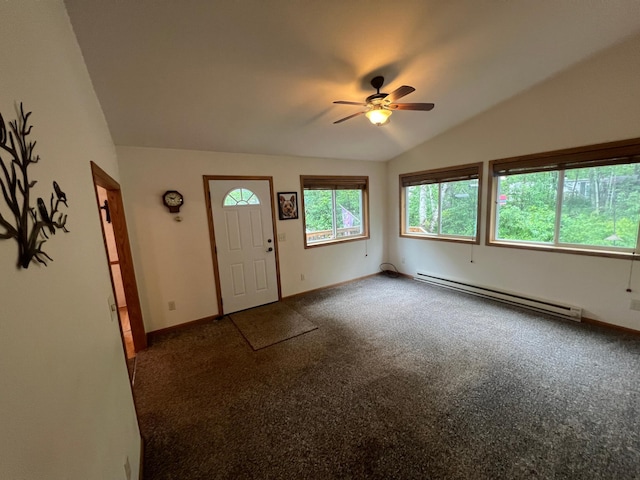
569, 250
442, 238
334, 242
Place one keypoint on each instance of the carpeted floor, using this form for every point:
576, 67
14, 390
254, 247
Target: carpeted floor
401, 380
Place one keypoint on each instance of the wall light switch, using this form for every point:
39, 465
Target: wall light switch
127, 469
282, 237
113, 308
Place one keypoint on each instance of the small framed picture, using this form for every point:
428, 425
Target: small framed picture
288, 205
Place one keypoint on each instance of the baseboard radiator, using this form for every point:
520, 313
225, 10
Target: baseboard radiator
553, 308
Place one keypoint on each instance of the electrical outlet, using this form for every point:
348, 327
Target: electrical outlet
172, 305
635, 305
302, 277
127, 469
402, 260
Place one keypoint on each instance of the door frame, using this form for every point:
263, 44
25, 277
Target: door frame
123, 247
212, 234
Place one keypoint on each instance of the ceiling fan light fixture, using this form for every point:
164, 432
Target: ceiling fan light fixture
380, 106
378, 115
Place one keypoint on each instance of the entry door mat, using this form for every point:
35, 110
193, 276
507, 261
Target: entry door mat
270, 324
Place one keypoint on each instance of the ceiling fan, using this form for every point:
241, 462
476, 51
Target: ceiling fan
381, 105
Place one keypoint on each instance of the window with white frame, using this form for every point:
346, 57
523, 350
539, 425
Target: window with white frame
335, 209
441, 204
582, 200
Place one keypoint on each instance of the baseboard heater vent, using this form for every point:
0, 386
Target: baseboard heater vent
566, 311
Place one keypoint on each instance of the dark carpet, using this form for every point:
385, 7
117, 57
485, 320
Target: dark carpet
270, 324
401, 380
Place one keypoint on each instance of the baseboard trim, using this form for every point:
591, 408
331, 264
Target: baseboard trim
610, 326
319, 289
180, 326
586, 320
162, 331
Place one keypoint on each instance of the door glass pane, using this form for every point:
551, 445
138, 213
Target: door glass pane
600, 206
240, 196
526, 207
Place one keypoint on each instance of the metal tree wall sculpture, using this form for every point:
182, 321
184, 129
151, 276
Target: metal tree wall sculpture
29, 226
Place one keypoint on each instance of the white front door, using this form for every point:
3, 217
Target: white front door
245, 243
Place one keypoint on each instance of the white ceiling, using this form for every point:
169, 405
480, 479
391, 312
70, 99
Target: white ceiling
260, 76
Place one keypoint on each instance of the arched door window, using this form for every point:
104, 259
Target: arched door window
239, 197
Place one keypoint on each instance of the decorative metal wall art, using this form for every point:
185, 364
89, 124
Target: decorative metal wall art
29, 226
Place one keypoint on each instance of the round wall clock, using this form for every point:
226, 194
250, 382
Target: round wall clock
173, 200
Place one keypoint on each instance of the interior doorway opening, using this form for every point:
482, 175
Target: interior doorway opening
126, 301
116, 272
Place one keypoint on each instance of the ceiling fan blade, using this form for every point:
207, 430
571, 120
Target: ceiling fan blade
347, 118
342, 102
412, 106
399, 93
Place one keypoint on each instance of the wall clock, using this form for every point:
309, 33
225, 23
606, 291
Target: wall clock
173, 200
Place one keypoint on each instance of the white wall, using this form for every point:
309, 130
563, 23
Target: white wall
173, 260
595, 101
66, 409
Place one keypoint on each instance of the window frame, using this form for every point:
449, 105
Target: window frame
335, 182
621, 152
469, 171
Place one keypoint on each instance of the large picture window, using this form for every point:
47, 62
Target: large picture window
335, 209
584, 200
441, 204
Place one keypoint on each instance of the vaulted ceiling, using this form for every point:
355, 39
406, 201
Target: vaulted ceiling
260, 76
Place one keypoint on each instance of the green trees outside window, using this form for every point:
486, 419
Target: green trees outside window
526, 207
589, 207
443, 208
335, 208
579, 200
332, 214
442, 203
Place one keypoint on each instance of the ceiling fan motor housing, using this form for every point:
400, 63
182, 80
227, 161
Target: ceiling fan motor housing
379, 106
376, 98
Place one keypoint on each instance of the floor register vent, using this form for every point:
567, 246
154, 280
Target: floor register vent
561, 310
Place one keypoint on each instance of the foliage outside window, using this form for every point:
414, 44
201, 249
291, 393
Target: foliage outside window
441, 204
335, 209
584, 200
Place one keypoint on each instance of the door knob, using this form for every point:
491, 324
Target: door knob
270, 249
